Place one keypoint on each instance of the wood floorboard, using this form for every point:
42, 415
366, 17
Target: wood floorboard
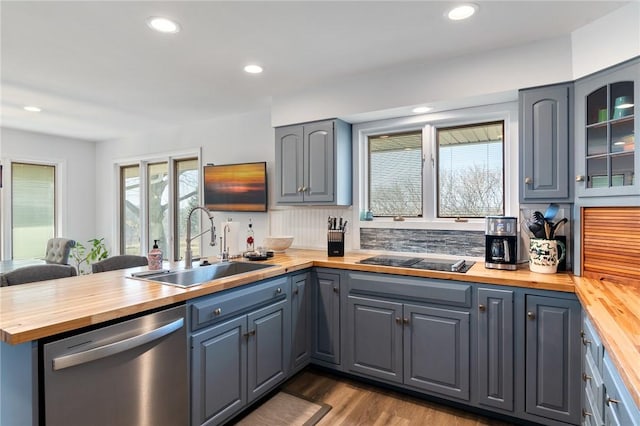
356, 403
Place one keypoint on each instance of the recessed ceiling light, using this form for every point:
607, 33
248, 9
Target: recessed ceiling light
163, 25
420, 110
462, 11
32, 108
253, 69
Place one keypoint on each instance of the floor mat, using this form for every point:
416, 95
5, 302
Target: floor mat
286, 409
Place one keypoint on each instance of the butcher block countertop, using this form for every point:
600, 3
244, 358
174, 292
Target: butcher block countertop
33, 311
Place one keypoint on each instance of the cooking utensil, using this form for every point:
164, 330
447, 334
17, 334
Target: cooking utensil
557, 225
547, 230
551, 212
538, 218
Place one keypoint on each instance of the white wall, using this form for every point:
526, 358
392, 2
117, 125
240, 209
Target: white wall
607, 41
459, 79
76, 188
234, 139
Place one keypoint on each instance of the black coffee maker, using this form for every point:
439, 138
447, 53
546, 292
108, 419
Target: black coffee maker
501, 242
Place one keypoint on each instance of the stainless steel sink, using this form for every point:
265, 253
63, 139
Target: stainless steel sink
191, 277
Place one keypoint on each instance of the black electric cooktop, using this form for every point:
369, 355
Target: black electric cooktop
446, 265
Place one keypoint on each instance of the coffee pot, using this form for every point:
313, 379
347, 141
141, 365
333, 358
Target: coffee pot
501, 241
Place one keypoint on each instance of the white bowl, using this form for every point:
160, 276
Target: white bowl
278, 243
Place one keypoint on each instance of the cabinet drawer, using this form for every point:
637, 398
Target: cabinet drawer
592, 343
590, 414
618, 405
593, 383
427, 290
220, 306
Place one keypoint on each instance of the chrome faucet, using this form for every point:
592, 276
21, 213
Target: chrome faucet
224, 248
187, 255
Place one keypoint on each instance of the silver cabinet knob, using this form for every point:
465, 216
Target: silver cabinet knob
278, 290
300, 188
579, 178
217, 311
528, 180
531, 315
482, 308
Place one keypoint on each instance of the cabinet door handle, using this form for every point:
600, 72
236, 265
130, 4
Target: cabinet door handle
586, 341
398, 320
336, 290
251, 333
531, 315
217, 311
296, 291
612, 401
300, 188
528, 180
405, 320
579, 178
585, 377
482, 308
585, 413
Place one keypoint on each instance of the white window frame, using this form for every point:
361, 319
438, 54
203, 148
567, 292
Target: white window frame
507, 112
143, 163
7, 202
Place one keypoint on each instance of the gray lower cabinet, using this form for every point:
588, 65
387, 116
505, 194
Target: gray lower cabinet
545, 125
553, 351
300, 321
605, 398
436, 350
239, 349
495, 351
423, 347
325, 319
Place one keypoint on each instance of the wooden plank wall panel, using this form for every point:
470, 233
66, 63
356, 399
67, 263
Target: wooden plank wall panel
611, 242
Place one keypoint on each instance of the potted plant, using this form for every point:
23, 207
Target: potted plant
96, 251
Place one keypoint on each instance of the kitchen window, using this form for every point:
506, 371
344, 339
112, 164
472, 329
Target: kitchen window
470, 177
443, 170
155, 199
395, 174
33, 209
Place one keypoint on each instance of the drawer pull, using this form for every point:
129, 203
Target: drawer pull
217, 311
612, 401
586, 341
278, 290
482, 308
585, 377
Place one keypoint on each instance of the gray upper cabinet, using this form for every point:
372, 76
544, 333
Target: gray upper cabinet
607, 160
553, 358
546, 144
313, 163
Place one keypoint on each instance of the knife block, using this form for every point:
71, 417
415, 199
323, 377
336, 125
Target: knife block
335, 243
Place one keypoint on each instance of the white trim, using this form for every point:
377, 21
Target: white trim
61, 200
507, 112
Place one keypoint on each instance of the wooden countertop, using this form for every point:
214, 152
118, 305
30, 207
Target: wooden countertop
614, 310
37, 310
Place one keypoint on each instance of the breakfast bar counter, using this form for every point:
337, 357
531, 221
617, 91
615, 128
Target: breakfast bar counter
33, 311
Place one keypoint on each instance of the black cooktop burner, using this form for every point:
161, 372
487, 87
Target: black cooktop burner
446, 265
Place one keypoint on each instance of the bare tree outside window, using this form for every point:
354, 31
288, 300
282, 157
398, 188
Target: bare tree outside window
470, 170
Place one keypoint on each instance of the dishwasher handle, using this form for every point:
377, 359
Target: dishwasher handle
67, 361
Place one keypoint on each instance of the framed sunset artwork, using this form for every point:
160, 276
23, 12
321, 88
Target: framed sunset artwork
236, 187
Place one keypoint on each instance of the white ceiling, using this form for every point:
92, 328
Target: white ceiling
98, 72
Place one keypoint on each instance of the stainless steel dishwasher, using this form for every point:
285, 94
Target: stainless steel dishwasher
132, 373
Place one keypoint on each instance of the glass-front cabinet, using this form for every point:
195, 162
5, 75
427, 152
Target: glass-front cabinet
606, 125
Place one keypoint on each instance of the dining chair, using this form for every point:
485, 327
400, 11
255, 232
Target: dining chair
119, 262
58, 250
29, 274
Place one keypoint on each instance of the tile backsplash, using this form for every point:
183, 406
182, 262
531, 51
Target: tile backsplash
457, 243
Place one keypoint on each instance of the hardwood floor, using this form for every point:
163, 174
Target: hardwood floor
357, 403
